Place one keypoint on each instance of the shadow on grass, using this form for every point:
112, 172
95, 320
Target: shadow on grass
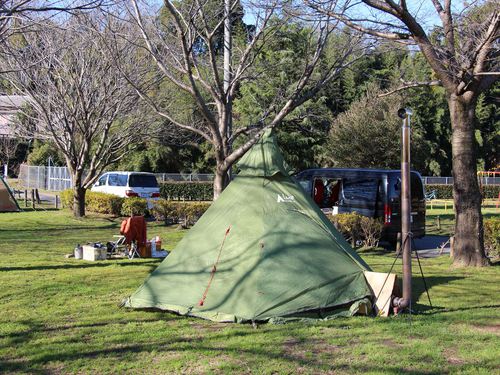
124, 263
194, 345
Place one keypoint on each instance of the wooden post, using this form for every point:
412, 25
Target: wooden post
56, 201
438, 222
33, 198
398, 242
25, 198
452, 241
37, 196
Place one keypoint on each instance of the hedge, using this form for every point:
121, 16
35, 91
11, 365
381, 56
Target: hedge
446, 191
189, 191
101, 203
492, 237
134, 206
174, 211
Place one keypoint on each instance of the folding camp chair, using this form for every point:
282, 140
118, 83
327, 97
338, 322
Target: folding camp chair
118, 245
132, 251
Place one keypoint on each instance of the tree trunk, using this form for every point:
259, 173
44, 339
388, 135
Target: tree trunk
221, 180
469, 243
79, 201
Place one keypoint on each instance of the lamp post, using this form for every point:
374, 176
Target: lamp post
401, 303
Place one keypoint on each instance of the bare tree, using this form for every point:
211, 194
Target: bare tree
184, 40
16, 14
76, 97
8, 148
464, 55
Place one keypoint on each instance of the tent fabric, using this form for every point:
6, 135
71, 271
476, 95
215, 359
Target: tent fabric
264, 159
262, 251
7, 201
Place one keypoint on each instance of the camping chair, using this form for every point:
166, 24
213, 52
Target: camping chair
132, 251
118, 245
134, 231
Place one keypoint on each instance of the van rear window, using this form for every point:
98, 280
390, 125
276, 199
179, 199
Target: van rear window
142, 180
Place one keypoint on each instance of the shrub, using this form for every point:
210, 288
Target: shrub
95, 202
103, 203
371, 230
67, 198
170, 211
349, 225
134, 206
492, 237
355, 227
191, 191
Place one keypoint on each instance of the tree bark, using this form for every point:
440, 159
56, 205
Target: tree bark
79, 201
469, 242
221, 180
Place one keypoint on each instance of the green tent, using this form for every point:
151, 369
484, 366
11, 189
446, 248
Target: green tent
262, 251
7, 201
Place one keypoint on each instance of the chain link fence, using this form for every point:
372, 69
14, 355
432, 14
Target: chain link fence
59, 178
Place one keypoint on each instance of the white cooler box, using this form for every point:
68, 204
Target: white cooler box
94, 253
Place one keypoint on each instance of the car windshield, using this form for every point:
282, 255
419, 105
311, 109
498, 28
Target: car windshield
142, 180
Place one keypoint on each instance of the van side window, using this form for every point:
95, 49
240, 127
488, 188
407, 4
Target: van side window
117, 180
102, 180
360, 189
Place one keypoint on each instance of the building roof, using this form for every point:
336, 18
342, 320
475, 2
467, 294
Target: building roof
9, 106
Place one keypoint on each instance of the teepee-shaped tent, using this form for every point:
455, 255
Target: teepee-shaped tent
262, 251
7, 201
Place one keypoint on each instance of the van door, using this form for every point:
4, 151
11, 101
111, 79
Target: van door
359, 195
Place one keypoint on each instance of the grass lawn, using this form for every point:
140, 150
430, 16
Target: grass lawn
60, 315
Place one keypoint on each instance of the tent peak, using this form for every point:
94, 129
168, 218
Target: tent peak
264, 159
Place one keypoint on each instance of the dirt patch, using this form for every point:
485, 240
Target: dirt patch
308, 350
391, 344
451, 356
491, 328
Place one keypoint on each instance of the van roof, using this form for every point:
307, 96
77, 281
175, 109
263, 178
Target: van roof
326, 171
127, 173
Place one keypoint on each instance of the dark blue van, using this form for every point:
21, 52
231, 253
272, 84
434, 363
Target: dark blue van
369, 192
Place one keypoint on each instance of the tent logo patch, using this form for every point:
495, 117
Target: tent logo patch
282, 198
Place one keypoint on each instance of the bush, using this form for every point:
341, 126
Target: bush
355, 228
190, 191
492, 237
103, 203
174, 212
134, 206
95, 202
446, 191
67, 198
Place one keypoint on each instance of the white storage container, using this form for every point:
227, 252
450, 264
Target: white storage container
94, 253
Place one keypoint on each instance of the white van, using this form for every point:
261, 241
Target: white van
128, 184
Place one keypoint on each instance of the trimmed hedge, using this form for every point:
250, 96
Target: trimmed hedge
446, 191
134, 206
101, 203
189, 191
175, 212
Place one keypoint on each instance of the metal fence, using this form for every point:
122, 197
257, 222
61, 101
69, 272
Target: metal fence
179, 177
59, 178
449, 180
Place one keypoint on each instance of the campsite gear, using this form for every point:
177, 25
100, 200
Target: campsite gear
262, 251
94, 253
134, 229
78, 252
145, 250
117, 245
7, 201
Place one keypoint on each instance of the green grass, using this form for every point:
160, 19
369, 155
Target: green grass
61, 315
447, 216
